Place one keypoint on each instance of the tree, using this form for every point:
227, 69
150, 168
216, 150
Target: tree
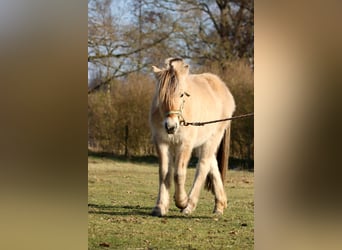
116, 49
218, 31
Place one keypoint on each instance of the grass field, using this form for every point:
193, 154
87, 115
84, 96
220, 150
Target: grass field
121, 196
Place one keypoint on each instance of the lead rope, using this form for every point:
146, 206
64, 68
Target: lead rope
184, 123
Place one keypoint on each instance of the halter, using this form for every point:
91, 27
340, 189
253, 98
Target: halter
179, 112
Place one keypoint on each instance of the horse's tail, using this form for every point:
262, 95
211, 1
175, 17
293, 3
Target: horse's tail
222, 157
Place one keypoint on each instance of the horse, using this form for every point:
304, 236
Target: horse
179, 97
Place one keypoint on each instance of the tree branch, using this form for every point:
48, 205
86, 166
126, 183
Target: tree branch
119, 55
206, 9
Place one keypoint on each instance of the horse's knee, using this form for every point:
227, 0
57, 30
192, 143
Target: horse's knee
179, 178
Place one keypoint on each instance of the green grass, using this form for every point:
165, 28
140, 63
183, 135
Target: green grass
121, 196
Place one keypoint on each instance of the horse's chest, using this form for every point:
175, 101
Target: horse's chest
173, 139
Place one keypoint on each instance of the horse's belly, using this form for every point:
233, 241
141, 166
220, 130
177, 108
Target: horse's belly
206, 133
200, 141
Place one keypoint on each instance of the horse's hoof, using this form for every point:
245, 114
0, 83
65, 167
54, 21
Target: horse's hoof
186, 211
219, 207
217, 212
157, 212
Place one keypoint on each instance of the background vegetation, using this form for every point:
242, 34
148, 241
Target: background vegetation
126, 37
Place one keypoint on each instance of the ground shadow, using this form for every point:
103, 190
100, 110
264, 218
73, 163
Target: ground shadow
148, 159
116, 210
234, 163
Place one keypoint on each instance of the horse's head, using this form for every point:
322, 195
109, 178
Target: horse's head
171, 92
180, 67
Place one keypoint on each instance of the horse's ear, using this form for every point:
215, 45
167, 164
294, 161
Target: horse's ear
156, 69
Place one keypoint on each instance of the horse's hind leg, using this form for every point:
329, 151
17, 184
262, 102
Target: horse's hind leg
208, 164
165, 169
218, 189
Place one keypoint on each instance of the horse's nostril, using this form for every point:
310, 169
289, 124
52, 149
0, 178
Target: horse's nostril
170, 129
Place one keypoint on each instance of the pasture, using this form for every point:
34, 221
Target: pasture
121, 196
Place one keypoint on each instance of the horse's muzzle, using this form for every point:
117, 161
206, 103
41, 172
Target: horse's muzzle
171, 125
170, 130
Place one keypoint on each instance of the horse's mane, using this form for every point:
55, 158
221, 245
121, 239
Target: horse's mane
168, 85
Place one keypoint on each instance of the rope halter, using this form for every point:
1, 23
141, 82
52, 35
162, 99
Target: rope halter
179, 112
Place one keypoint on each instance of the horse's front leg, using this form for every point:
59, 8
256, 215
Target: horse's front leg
165, 173
202, 170
183, 155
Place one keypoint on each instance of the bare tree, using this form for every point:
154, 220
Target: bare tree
118, 49
218, 30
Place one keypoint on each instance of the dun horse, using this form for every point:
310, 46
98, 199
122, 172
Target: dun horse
181, 97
